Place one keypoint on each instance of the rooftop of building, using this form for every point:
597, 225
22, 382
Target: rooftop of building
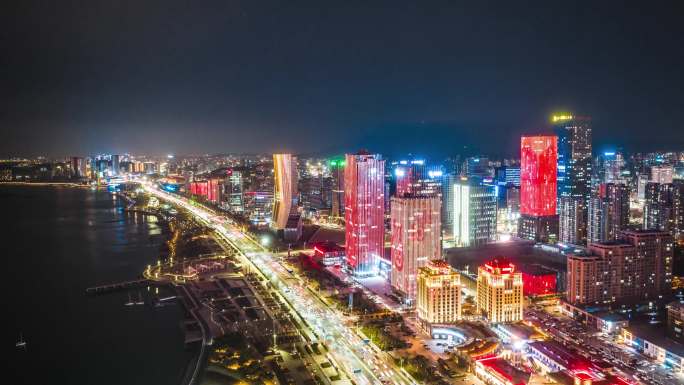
327, 247
499, 265
416, 196
609, 316
676, 305
654, 334
520, 331
615, 243
644, 232
437, 267
561, 354
503, 368
536, 269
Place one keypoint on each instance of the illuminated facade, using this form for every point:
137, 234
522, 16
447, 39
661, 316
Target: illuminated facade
199, 188
574, 176
214, 192
210, 189
415, 177
538, 157
438, 297
364, 201
662, 174
285, 188
474, 214
538, 189
234, 188
500, 291
538, 280
337, 198
416, 230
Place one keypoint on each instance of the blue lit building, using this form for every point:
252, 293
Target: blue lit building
574, 176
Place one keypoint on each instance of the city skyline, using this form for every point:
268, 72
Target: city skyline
343, 194
225, 79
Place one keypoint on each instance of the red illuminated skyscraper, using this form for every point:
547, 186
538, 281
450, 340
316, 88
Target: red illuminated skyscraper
538, 188
364, 199
538, 162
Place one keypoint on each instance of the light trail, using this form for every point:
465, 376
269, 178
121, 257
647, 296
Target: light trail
325, 324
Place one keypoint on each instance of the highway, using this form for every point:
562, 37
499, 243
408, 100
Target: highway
362, 362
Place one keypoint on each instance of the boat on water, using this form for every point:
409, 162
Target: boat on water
21, 344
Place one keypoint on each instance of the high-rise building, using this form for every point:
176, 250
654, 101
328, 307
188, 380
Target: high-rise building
664, 207
474, 213
150, 167
538, 173
609, 165
285, 188
662, 174
416, 239
574, 176
508, 175
416, 177
657, 206
364, 201
214, 187
642, 180
608, 212
439, 294
500, 291
233, 191
448, 181
116, 167
476, 167
637, 267
337, 199
508, 210
78, 167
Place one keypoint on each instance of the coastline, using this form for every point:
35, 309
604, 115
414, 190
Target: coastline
195, 364
121, 247
45, 184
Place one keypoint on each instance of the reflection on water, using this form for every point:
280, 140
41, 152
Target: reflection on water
57, 242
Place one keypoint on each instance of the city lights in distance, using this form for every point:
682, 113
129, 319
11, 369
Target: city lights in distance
558, 118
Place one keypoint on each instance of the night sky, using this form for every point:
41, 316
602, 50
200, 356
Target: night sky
193, 77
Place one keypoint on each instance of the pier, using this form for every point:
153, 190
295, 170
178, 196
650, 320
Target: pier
110, 288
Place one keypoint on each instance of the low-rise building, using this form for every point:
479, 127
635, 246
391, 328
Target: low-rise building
495, 370
328, 253
652, 342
